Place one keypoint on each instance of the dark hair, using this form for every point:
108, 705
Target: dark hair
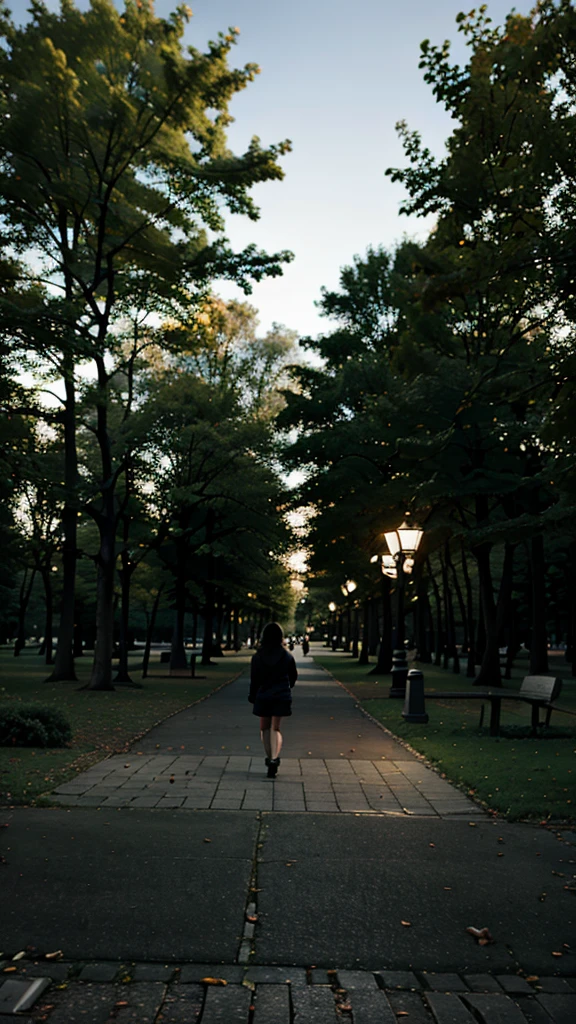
272, 635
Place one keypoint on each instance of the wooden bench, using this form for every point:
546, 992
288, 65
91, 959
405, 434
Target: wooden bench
539, 691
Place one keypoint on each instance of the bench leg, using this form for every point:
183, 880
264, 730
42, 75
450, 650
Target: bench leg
495, 704
481, 722
535, 718
548, 715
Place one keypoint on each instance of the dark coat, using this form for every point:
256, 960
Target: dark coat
272, 675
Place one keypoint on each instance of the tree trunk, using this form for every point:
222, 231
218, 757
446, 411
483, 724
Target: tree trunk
236, 639
356, 632
439, 630
125, 574
423, 614
64, 659
461, 602
489, 674
25, 591
47, 581
494, 614
150, 632
230, 611
208, 623
178, 659
451, 648
77, 646
348, 628
101, 678
364, 652
374, 627
383, 665
471, 664
538, 636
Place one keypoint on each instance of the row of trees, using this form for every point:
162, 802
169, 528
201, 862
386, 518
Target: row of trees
145, 447
447, 386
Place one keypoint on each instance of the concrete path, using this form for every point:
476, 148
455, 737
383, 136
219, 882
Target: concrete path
335, 759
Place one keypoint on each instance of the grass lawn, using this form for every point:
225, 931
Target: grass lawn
521, 777
102, 722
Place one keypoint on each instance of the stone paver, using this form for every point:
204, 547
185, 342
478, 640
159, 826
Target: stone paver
237, 994
448, 1008
272, 1005
495, 1009
237, 782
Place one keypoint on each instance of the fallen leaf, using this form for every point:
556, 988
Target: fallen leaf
345, 1007
121, 1002
407, 924
402, 1013
431, 844
252, 918
533, 977
213, 981
57, 955
556, 953
207, 840
127, 765
8, 970
481, 934
172, 779
447, 888
249, 984
472, 824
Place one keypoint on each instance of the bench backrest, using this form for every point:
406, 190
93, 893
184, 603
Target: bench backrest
545, 687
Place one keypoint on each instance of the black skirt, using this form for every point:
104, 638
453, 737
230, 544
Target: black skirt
276, 707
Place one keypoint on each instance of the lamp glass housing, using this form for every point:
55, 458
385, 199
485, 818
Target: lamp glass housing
393, 542
409, 538
331, 607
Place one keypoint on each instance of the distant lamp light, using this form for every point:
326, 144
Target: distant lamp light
389, 566
349, 587
332, 607
375, 558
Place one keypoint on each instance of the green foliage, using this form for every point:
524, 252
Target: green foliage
33, 725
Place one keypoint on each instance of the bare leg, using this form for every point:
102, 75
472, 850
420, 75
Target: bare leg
276, 737
265, 735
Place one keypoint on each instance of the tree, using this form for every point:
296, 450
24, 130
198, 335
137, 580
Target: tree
114, 167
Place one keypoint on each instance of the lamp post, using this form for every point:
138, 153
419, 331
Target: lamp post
332, 637
403, 544
348, 589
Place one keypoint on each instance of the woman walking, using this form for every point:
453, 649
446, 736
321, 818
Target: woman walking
273, 673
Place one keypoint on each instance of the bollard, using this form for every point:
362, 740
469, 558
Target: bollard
192, 666
414, 709
399, 673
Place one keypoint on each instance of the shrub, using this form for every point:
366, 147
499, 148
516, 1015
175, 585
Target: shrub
33, 725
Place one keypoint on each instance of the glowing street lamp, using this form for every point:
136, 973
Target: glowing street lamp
332, 637
403, 543
348, 589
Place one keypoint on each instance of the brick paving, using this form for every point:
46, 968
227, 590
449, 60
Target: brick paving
232, 994
239, 783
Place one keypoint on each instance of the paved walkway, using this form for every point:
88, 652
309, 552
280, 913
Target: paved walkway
359, 893
202, 759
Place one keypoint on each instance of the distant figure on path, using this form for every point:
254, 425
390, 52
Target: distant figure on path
273, 673
305, 645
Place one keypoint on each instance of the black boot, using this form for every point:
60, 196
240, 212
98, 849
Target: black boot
273, 766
